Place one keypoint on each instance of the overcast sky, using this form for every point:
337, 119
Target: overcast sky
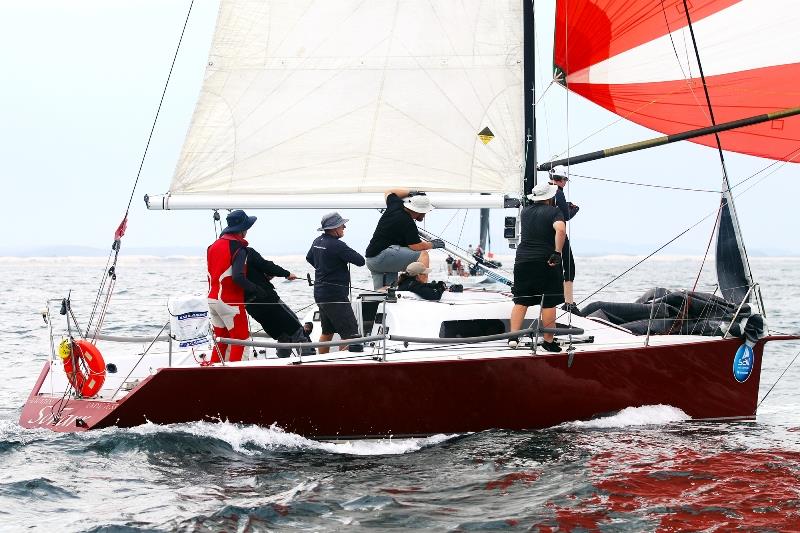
82, 80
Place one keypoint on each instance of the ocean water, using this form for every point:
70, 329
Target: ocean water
649, 468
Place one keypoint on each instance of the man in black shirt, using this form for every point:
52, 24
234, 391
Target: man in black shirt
396, 243
330, 257
538, 277
569, 210
254, 274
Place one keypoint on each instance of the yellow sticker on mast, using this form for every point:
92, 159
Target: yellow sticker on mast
486, 135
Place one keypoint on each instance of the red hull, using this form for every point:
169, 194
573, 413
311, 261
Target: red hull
421, 398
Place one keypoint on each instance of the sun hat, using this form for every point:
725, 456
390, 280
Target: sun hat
543, 191
332, 221
238, 221
416, 268
419, 204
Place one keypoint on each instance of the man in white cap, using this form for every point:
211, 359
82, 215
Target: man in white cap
331, 257
569, 210
538, 275
396, 241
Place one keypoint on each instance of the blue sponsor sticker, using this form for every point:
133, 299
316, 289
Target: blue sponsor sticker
193, 342
193, 314
743, 363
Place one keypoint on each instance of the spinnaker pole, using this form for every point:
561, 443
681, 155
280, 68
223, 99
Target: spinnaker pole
667, 139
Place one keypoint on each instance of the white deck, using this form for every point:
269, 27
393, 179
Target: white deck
409, 316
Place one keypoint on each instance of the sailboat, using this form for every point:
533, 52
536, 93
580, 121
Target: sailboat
328, 103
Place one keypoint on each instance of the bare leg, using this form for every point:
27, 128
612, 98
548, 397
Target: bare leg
517, 316
548, 321
325, 337
568, 297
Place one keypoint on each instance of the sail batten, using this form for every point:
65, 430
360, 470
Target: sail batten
322, 96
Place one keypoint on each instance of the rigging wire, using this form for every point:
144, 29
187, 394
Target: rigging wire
109, 277
777, 380
727, 198
639, 184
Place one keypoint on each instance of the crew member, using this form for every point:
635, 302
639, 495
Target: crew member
415, 279
331, 257
538, 276
569, 210
225, 296
254, 274
396, 241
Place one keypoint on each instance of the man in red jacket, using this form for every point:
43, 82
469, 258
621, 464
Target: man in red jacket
226, 300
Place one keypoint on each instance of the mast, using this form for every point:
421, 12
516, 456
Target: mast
529, 87
484, 231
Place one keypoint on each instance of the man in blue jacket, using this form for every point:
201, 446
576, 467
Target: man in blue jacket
331, 257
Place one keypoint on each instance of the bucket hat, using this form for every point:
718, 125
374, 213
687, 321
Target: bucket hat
332, 221
416, 268
543, 191
238, 221
419, 204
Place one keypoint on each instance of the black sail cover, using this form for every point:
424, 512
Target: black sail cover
731, 270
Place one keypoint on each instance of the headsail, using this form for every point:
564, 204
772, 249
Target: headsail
635, 58
323, 96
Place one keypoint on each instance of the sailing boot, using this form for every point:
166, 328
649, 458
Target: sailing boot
551, 346
301, 336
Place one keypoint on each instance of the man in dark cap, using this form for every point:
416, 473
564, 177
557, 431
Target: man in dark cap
331, 257
226, 297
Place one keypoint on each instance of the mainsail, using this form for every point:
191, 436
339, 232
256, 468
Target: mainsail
635, 58
322, 96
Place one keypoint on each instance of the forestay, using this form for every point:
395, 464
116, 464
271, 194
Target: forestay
326, 96
635, 58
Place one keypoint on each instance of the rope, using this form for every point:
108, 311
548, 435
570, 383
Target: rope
110, 272
160, 103
639, 184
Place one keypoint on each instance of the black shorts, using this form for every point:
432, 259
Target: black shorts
568, 262
534, 279
338, 317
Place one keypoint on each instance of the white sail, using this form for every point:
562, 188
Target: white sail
324, 96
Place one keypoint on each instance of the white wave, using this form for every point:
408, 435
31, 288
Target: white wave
645, 415
243, 438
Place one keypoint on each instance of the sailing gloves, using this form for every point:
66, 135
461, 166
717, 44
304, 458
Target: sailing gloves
555, 259
437, 243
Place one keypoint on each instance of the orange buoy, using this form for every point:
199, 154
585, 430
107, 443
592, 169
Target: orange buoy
88, 382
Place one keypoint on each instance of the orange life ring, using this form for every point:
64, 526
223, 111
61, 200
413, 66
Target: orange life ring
88, 385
